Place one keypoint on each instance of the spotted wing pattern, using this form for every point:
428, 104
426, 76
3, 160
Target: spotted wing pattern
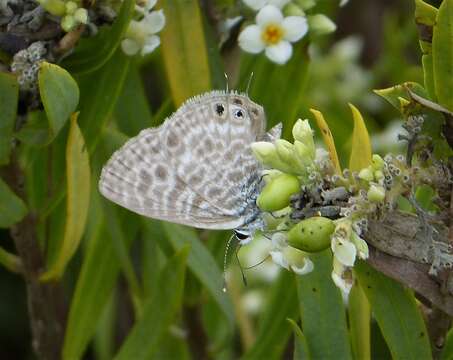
194, 168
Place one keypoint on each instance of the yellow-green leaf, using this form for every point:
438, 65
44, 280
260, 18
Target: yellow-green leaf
60, 96
442, 51
12, 208
184, 50
78, 198
328, 139
425, 13
359, 314
361, 147
8, 109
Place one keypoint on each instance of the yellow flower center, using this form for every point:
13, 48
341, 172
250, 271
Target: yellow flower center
272, 34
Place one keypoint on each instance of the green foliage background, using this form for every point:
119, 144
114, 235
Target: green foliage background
138, 288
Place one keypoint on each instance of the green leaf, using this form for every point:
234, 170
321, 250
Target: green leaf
425, 13
78, 199
361, 146
159, 311
8, 110
96, 281
289, 79
12, 208
60, 96
184, 50
273, 327
394, 93
397, 314
99, 93
300, 343
92, 53
359, 322
322, 311
443, 54
203, 266
447, 352
428, 75
10, 261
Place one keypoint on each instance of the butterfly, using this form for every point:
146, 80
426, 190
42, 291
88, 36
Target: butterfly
197, 168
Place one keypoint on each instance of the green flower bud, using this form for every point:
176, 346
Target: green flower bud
366, 174
311, 234
276, 194
302, 132
68, 23
320, 24
377, 162
376, 193
285, 151
54, 7
306, 4
71, 6
378, 175
304, 154
293, 9
270, 174
81, 15
266, 153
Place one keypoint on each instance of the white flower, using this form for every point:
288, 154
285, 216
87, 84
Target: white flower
141, 35
342, 277
273, 33
288, 257
344, 251
259, 4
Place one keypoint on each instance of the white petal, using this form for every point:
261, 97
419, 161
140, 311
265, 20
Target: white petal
295, 27
154, 22
343, 284
150, 4
150, 44
130, 47
269, 14
345, 252
307, 268
279, 53
278, 258
279, 240
250, 39
278, 3
255, 4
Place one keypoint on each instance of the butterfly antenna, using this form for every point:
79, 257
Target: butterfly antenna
244, 279
226, 82
258, 264
225, 258
249, 83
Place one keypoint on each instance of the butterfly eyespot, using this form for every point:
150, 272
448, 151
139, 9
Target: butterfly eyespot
255, 112
219, 109
238, 114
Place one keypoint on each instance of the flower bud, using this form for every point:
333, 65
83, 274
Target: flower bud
71, 6
293, 9
311, 234
304, 155
266, 153
277, 193
377, 162
81, 15
378, 175
320, 24
54, 7
376, 193
306, 4
366, 174
68, 23
285, 151
302, 132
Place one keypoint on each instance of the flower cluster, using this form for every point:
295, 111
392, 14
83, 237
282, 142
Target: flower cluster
141, 36
274, 33
71, 12
312, 208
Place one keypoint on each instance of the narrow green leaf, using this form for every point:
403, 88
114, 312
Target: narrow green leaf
8, 110
96, 281
397, 314
159, 311
273, 327
442, 51
60, 96
359, 322
322, 311
447, 352
184, 50
203, 266
12, 208
99, 92
300, 343
361, 146
428, 76
425, 13
78, 199
394, 93
92, 53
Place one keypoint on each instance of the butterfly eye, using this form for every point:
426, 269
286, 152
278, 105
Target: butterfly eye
238, 114
219, 109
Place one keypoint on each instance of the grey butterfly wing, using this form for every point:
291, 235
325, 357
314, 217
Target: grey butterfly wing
137, 177
189, 169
